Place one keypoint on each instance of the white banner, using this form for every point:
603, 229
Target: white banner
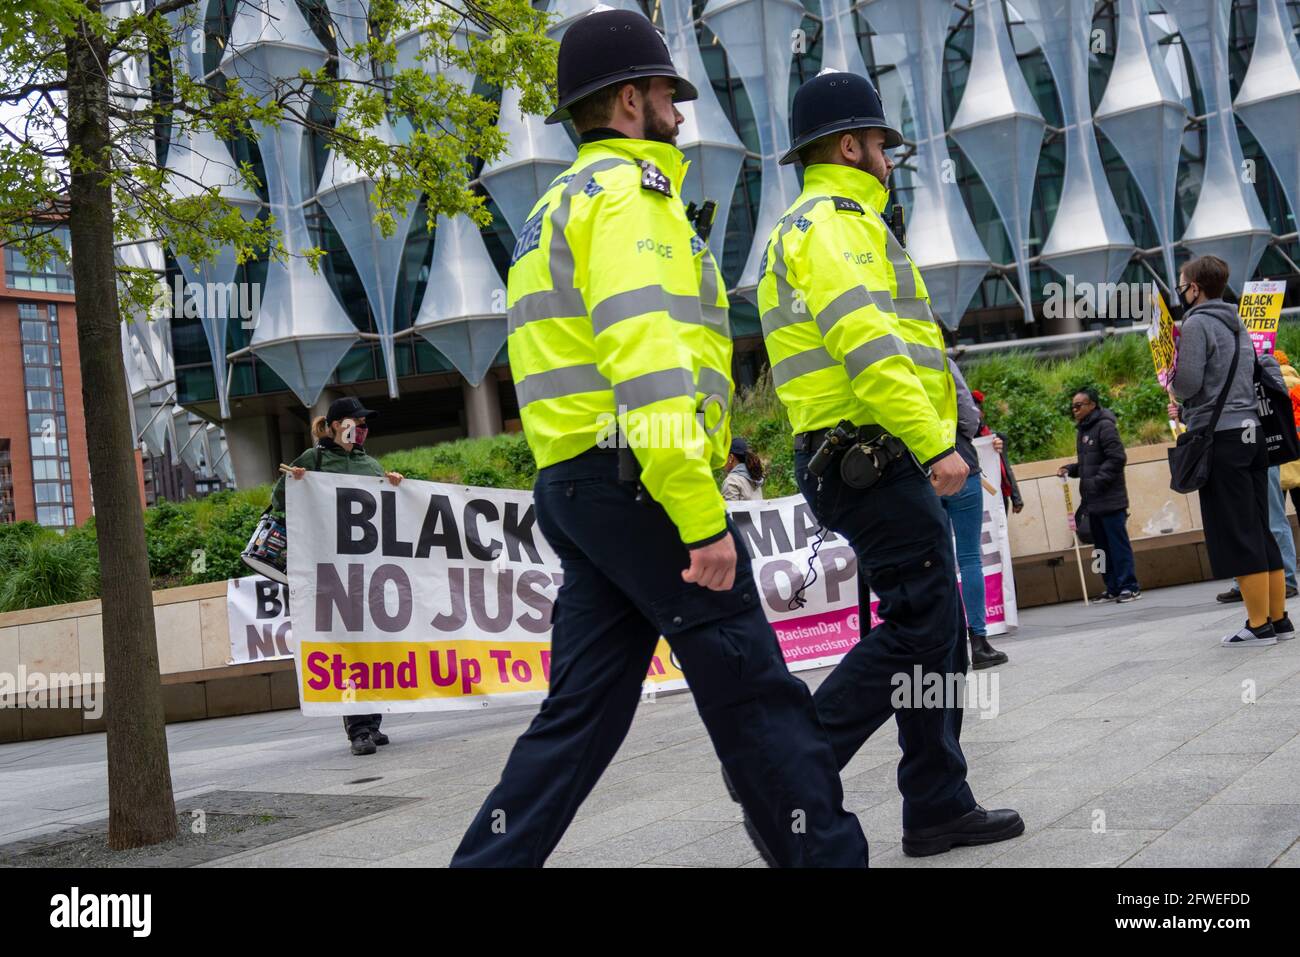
258, 613
1000, 610
433, 597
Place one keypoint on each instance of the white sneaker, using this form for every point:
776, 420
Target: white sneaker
1249, 637
1283, 630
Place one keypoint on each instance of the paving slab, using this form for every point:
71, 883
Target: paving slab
1125, 736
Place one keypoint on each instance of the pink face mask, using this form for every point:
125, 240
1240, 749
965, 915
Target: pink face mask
359, 435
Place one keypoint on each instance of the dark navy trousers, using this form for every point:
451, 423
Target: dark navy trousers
622, 589
901, 536
1110, 536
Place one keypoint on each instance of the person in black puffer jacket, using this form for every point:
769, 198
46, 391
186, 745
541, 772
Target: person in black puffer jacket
1100, 471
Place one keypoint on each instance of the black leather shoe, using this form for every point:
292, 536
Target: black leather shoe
1229, 596
363, 744
984, 655
752, 831
759, 846
974, 827
379, 738
1292, 591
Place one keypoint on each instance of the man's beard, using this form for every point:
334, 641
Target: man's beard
880, 173
657, 131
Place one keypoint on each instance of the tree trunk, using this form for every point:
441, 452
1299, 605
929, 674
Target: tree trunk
141, 809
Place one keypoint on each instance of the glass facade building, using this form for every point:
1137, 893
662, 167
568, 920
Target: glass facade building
47, 419
1099, 141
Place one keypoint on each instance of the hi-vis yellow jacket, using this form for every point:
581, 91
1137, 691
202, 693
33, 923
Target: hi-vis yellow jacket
847, 321
618, 317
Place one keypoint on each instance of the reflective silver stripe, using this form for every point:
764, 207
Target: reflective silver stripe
652, 386
717, 319
715, 316
638, 302
547, 304
778, 318
561, 254
557, 383
873, 351
849, 301
712, 382
708, 278
562, 299
885, 346
776, 263
913, 309
801, 363
902, 265
928, 356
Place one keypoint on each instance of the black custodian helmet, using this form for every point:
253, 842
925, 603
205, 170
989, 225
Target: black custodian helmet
834, 102
607, 47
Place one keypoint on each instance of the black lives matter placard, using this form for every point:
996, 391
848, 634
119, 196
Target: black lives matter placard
431, 597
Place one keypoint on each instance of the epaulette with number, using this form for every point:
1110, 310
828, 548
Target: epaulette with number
652, 177
846, 205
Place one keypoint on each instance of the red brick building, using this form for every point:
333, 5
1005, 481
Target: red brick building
44, 472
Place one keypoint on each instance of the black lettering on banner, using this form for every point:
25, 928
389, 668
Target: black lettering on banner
456, 618
518, 531
269, 604
282, 638
530, 593
393, 546
379, 598
261, 643
805, 527
771, 589
331, 594
770, 541
347, 519
497, 623
839, 566
439, 530
475, 509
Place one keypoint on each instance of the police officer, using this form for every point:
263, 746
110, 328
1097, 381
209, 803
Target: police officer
858, 360
619, 337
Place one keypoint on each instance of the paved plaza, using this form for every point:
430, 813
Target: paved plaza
1125, 735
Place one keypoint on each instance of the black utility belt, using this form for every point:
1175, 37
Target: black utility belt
864, 452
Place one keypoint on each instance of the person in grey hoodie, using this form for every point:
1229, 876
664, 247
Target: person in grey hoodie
744, 479
1234, 502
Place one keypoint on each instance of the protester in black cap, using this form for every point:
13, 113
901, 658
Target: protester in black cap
744, 479
340, 439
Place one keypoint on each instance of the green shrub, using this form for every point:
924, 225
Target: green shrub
1028, 396
14, 541
1017, 402
1288, 339
49, 569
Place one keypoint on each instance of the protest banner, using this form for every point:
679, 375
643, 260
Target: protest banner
257, 612
1261, 311
435, 597
1162, 337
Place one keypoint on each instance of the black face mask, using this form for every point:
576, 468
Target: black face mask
1182, 299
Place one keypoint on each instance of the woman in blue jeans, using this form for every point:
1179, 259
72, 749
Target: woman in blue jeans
966, 515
